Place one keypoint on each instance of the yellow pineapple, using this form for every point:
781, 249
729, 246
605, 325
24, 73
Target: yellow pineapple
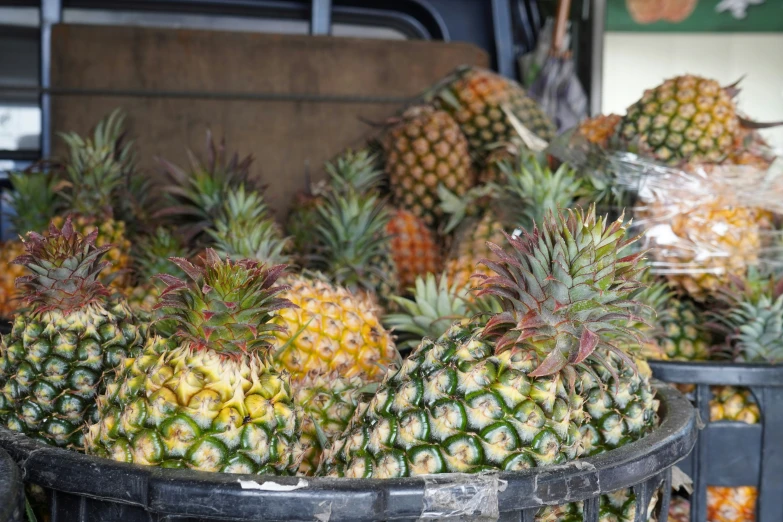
731, 504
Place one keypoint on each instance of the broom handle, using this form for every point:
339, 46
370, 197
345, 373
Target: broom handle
563, 10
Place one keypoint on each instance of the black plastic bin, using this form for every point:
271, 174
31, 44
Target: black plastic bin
734, 454
85, 488
11, 490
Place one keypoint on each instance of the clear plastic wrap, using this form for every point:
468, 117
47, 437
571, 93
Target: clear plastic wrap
702, 223
462, 496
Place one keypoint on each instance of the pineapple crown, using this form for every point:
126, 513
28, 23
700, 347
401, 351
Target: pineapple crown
352, 233
33, 199
536, 190
355, 170
96, 166
565, 291
227, 307
153, 251
65, 267
750, 313
245, 229
196, 197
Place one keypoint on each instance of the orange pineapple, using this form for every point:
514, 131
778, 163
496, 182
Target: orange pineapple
413, 247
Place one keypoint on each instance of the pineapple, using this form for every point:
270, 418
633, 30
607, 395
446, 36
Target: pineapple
94, 173
599, 130
483, 103
731, 504
471, 247
413, 247
329, 401
330, 329
332, 343
35, 203
423, 150
685, 119
207, 398
62, 351
705, 226
495, 394
196, 197
683, 335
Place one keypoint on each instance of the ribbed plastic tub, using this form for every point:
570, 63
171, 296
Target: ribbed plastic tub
85, 488
11, 490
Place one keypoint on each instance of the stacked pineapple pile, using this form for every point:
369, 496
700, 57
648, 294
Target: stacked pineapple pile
269, 348
711, 211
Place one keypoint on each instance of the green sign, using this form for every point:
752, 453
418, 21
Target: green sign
764, 18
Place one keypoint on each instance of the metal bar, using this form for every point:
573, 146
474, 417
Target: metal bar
504, 38
770, 506
51, 13
598, 27
239, 96
321, 17
20, 155
699, 496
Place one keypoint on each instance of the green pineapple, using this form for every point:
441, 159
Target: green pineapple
65, 347
495, 394
206, 398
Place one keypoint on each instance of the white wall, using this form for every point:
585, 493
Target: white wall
634, 62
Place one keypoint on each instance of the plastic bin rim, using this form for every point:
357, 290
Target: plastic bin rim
718, 373
144, 486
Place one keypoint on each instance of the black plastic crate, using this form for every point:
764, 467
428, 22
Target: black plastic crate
732, 454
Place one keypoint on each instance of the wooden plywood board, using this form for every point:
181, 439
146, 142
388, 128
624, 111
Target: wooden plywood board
125, 66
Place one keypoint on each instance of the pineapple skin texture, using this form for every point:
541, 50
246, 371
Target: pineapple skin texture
53, 365
683, 337
599, 130
9, 295
176, 407
685, 119
330, 401
413, 248
424, 150
455, 406
481, 95
342, 332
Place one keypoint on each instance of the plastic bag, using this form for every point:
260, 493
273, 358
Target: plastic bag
701, 223
462, 496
